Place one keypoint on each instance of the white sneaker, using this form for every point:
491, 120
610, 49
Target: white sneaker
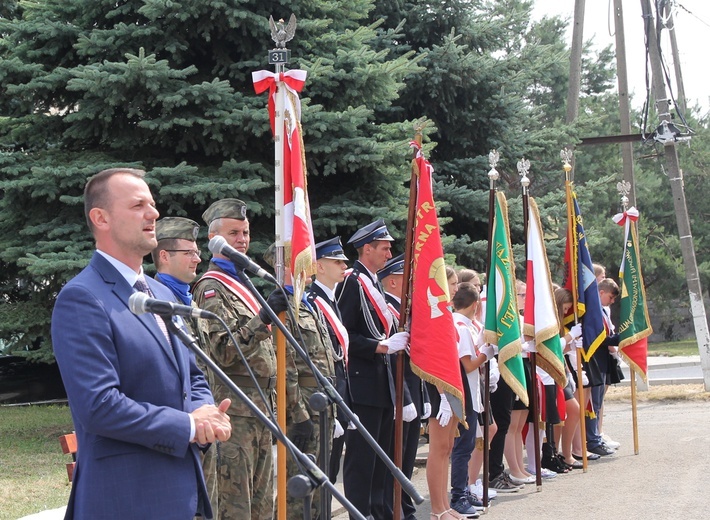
610, 442
477, 489
546, 473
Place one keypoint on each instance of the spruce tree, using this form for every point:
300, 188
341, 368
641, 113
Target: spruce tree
166, 86
493, 79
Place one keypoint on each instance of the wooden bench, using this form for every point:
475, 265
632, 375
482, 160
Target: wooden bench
68, 443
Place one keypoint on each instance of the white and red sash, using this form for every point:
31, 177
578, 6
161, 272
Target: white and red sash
340, 331
376, 299
394, 311
237, 288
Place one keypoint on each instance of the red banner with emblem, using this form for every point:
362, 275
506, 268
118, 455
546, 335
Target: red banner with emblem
433, 342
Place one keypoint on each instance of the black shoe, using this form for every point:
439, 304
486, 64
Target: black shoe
601, 450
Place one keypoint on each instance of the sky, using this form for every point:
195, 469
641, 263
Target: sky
692, 22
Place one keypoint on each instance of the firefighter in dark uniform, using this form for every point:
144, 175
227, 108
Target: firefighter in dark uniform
368, 321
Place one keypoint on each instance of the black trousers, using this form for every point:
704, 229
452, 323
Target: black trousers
363, 471
410, 443
501, 406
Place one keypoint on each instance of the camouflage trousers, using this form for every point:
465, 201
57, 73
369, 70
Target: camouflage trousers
209, 468
294, 506
245, 472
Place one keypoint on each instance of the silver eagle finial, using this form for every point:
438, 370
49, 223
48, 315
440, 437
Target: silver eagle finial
281, 33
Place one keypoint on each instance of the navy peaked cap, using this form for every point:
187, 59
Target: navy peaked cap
393, 266
375, 231
331, 248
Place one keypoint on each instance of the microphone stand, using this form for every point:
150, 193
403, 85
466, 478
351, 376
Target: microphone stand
334, 396
300, 486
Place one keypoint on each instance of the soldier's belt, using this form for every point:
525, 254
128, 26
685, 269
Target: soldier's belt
310, 381
266, 383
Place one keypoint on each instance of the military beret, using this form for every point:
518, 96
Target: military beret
375, 231
225, 208
393, 266
332, 249
176, 227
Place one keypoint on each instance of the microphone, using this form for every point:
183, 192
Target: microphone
219, 246
140, 303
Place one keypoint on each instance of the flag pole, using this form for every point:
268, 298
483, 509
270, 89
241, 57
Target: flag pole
279, 57
403, 318
566, 156
523, 169
493, 175
624, 188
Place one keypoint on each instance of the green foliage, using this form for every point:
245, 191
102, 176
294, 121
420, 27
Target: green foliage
166, 86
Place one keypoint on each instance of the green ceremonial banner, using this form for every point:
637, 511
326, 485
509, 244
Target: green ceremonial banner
502, 317
634, 326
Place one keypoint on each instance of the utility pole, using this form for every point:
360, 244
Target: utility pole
680, 90
666, 137
624, 112
575, 66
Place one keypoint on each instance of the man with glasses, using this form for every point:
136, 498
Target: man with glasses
176, 259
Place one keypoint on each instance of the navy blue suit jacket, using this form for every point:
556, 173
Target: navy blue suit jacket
129, 394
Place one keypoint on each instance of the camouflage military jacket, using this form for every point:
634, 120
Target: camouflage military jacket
253, 337
300, 381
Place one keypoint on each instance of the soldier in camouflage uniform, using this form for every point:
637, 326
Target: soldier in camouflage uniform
176, 258
302, 422
245, 465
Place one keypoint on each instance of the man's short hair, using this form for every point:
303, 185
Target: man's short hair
608, 285
166, 243
96, 195
466, 296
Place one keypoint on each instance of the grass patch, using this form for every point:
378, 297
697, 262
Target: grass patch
659, 393
675, 348
33, 476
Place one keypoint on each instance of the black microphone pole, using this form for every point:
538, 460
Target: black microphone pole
315, 477
334, 396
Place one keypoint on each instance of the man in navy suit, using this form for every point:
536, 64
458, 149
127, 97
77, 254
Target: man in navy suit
140, 405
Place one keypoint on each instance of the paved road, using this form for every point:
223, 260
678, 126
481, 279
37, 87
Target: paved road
667, 479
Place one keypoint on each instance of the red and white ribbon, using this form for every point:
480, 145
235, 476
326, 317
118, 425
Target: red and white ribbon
293, 79
631, 214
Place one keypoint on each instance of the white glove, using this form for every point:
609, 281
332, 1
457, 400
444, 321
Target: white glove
570, 381
339, 432
489, 350
396, 342
529, 346
426, 413
494, 387
585, 379
351, 425
576, 330
409, 413
578, 343
445, 413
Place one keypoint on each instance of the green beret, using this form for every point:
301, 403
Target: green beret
176, 227
225, 208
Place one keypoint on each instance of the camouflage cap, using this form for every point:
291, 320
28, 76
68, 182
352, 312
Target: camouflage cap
176, 227
225, 208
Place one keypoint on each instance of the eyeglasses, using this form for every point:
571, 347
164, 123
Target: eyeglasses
186, 252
